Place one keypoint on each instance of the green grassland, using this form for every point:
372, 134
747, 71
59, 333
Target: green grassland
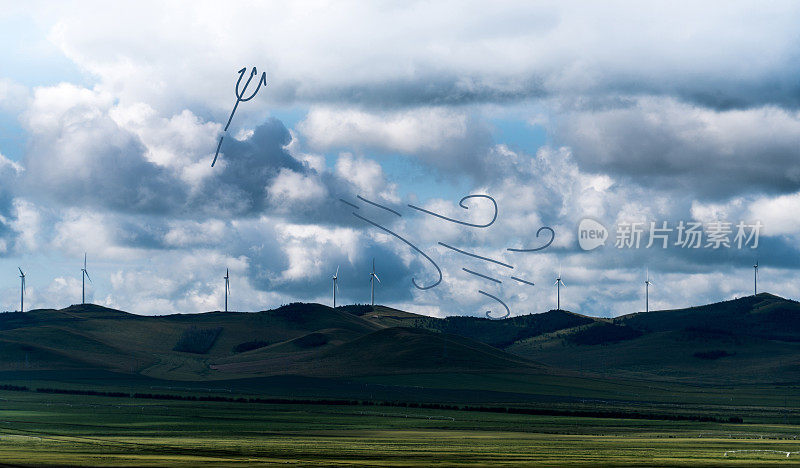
375, 386
70, 430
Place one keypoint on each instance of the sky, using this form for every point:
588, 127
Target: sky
634, 116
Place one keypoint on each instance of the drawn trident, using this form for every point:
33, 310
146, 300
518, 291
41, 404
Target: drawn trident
240, 98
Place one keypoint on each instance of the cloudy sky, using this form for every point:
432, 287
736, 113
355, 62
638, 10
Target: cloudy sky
623, 113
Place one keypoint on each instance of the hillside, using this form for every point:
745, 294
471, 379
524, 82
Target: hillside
748, 340
752, 339
496, 333
301, 339
387, 351
762, 316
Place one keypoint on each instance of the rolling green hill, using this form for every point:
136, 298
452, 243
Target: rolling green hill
387, 351
747, 340
496, 333
304, 339
752, 339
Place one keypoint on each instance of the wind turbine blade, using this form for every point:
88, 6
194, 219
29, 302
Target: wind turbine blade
84, 260
20, 271
376, 277
89, 277
563, 284
337, 271
555, 283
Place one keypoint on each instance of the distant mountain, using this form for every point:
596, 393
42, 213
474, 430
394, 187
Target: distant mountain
303, 339
762, 316
752, 339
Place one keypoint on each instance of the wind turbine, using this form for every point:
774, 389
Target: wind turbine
372, 278
647, 284
335, 278
84, 275
22, 290
227, 287
558, 285
755, 278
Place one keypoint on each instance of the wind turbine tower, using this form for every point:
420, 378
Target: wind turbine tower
755, 278
227, 287
372, 278
335, 278
647, 284
558, 285
84, 276
22, 290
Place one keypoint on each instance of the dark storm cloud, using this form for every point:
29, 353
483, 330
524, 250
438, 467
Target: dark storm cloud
676, 147
97, 166
238, 187
141, 232
431, 89
251, 167
434, 88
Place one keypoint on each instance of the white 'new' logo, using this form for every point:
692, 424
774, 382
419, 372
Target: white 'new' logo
591, 234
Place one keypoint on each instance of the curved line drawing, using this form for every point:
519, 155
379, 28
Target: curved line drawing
552, 237
240, 94
462, 205
482, 276
222, 137
522, 281
413, 280
348, 203
488, 312
240, 98
378, 205
476, 256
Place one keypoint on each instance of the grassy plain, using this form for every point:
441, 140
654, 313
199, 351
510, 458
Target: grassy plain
50, 429
549, 389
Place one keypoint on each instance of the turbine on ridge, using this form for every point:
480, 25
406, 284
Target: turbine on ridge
372, 278
755, 278
558, 285
647, 284
227, 287
22, 290
84, 276
335, 278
